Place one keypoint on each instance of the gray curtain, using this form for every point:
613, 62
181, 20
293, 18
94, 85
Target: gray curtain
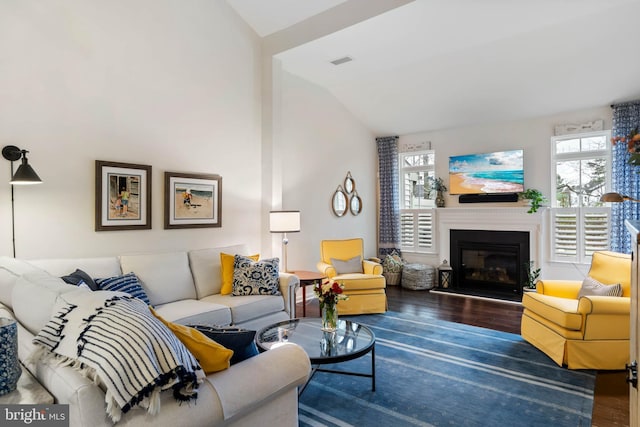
625, 178
389, 196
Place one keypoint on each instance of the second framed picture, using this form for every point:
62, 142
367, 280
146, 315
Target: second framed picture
192, 200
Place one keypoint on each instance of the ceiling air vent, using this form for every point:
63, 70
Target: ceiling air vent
340, 61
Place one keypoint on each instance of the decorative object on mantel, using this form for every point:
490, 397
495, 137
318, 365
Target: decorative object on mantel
25, 175
339, 202
10, 369
633, 145
535, 197
445, 275
531, 276
438, 185
567, 129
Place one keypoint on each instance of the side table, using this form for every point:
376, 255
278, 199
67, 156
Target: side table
28, 391
307, 278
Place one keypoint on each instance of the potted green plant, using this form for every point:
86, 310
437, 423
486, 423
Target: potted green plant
535, 197
531, 276
437, 184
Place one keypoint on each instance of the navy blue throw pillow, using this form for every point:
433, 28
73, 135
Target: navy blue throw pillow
241, 341
127, 283
79, 277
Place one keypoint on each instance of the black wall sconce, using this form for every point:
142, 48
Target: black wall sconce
25, 175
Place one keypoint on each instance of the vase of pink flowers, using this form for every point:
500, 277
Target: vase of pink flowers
329, 292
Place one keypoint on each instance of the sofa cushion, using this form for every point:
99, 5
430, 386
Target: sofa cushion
227, 264
195, 311
591, 286
248, 307
94, 267
561, 311
255, 277
34, 297
165, 277
10, 270
206, 268
127, 283
211, 355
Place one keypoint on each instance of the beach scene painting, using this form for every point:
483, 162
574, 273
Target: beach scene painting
192, 200
123, 196
499, 172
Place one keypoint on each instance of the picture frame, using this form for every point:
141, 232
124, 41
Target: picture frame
122, 196
192, 200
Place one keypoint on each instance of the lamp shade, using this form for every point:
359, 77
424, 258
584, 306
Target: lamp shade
284, 221
25, 174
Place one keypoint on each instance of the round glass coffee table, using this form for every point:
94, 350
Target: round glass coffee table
350, 341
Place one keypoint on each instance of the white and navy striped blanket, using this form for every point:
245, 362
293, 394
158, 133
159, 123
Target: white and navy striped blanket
113, 338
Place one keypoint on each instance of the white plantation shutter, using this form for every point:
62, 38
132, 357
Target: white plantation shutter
578, 232
417, 230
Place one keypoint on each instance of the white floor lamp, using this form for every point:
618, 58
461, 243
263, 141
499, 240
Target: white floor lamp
284, 222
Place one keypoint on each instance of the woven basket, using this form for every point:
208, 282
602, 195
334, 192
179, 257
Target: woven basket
418, 276
392, 279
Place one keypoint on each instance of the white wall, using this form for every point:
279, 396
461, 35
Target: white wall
174, 85
321, 142
532, 135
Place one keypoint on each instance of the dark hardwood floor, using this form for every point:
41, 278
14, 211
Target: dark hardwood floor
611, 402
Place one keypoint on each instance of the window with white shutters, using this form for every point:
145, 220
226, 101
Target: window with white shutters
417, 201
580, 222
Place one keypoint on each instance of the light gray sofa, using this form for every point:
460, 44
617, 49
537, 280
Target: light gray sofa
183, 287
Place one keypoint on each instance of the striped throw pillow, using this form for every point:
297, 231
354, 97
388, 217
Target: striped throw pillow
127, 283
591, 286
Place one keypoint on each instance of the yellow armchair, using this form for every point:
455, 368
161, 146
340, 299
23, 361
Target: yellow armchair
590, 332
365, 287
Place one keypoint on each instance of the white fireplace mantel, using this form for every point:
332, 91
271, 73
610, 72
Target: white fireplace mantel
498, 219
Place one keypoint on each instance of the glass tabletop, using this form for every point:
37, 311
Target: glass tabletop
349, 341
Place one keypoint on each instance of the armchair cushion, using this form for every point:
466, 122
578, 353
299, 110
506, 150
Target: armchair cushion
352, 265
591, 286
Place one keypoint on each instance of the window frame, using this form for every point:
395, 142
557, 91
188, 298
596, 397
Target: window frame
580, 211
429, 209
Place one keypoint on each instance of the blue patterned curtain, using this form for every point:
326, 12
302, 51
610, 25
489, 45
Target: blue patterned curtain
625, 179
389, 203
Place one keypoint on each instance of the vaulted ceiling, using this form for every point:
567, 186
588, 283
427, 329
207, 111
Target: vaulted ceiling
435, 64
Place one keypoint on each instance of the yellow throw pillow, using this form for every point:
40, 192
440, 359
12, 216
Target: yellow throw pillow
212, 356
226, 265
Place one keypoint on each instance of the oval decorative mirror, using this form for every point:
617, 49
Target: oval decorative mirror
339, 202
355, 204
349, 184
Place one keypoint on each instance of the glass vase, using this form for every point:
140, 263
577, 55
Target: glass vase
329, 312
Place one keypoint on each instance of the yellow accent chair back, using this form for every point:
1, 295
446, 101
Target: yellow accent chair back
366, 289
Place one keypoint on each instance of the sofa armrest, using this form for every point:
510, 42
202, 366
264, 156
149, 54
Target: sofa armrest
371, 267
289, 284
559, 288
279, 369
604, 305
326, 269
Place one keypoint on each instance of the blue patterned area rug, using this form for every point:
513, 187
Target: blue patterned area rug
431, 372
